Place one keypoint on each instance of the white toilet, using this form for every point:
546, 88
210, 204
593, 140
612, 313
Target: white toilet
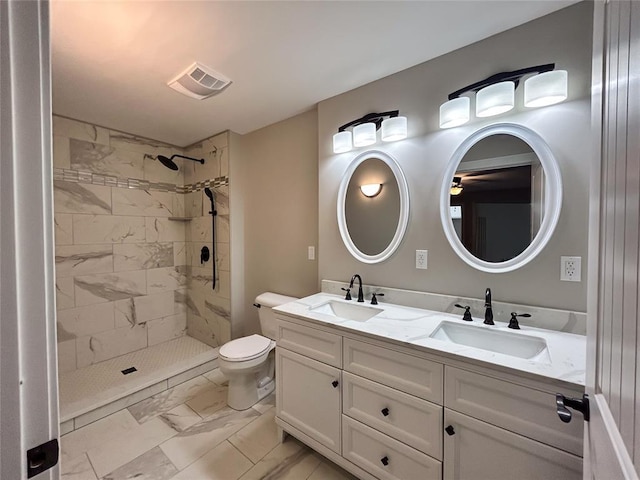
248, 362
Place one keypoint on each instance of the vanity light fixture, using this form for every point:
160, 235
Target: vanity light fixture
371, 189
456, 186
363, 134
495, 94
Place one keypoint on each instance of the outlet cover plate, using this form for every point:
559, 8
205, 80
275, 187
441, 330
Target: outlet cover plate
570, 269
421, 259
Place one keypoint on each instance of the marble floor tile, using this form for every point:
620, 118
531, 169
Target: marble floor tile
216, 377
180, 418
290, 460
258, 438
78, 468
210, 401
153, 465
222, 463
266, 403
112, 455
330, 471
80, 441
186, 447
167, 400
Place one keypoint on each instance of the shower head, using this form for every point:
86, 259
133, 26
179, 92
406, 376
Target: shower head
169, 163
209, 193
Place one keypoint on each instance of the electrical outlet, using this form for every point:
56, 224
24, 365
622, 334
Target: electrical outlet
421, 259
311, 253
570, 269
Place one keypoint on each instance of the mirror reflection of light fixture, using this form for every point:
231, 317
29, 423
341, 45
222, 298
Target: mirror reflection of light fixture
394, 127
456, 186
371, 189
495, 94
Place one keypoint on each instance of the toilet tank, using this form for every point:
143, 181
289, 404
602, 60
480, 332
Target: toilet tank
267, 301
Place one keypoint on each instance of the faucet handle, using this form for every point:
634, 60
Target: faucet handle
348, 295
374, 299
467, 312
513, 323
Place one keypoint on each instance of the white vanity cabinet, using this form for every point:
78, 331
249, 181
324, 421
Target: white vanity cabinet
385, 411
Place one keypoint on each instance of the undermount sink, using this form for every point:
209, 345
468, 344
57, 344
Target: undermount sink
506, 343
346, 311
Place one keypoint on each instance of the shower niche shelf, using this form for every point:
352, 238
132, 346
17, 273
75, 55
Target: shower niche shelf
180, 219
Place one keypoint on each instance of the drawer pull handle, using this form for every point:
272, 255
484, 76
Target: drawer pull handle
385, 461
335, 384
385, 411
450, 431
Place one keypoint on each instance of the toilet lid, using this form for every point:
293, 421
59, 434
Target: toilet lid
245, 348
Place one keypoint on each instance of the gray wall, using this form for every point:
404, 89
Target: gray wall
563, 37
276, 171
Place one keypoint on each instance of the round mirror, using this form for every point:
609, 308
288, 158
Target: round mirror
373, 206
501, 198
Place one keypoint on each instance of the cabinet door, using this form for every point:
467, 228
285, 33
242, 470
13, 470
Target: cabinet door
309, 397
475, 450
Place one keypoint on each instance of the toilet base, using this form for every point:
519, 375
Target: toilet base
249, 387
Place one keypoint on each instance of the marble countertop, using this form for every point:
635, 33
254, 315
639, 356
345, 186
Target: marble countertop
565, 359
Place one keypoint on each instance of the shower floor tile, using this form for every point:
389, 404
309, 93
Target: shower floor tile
98, 390
149, 441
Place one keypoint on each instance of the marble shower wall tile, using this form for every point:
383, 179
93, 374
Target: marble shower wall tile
112, 343
179, 253
141, 145
142, 256
222, 229
154, 171
201, 329
65, 293
222, 200
224, 256
61, 152
109, 287
72, 260
179, 205
167, 328
82, 321
105, 160
135, 310
166, 279
63, 224
72, 197
201, 229
193, 204
90, 229
67, 356
142, 202
65, 127
159, 229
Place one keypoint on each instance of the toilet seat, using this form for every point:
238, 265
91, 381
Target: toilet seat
245, 348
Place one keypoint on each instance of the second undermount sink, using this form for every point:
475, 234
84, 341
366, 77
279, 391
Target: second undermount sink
346, 311
506, 343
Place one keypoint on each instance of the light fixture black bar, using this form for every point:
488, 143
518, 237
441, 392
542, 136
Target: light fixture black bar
514, 76
376, 118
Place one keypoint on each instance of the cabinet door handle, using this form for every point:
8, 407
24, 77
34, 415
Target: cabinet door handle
335, 384
385, 411
450, 431
385, 460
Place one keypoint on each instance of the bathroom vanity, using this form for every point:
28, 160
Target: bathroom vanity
392, 392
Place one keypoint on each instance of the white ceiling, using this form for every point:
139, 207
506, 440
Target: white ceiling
111, 59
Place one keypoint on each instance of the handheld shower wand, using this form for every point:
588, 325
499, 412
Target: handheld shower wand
213, 213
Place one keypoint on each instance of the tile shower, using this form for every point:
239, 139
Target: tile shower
128, 234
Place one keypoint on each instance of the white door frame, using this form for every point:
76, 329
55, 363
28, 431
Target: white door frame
28, 365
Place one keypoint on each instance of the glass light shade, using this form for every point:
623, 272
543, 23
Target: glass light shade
371, 189
364, 135
495, 99
545, 89
456, 190
342, 142
394, 128
454, 112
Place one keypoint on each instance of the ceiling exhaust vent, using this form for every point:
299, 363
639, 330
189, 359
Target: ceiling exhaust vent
199, 82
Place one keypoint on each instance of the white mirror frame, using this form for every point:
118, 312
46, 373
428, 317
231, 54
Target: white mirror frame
552, 199
403, 219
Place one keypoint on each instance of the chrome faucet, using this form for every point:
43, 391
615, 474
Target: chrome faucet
488, 311
360, 295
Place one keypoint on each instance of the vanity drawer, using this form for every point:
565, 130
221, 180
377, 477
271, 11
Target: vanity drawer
411, 420
513, 407
413, 375
370, 450
313, 343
